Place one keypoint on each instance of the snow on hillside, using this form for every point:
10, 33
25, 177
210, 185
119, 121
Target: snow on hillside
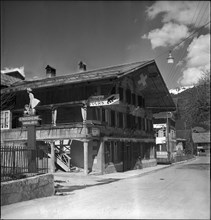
179, 89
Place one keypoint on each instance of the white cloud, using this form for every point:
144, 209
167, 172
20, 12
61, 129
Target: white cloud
190, 76
199, 51
183, 12
169, 35
198, 60
179, 19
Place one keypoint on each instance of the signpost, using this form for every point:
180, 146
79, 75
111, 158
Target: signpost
30, 121
102, 101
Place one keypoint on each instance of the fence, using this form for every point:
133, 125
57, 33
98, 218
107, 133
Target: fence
15, 162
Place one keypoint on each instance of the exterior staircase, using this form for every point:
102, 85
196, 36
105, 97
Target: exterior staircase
61, 157
63, 160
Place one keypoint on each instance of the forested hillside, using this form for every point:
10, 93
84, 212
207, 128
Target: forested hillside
193, 105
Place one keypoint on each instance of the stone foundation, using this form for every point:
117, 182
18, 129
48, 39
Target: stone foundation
27, 189
113, 168
149, 163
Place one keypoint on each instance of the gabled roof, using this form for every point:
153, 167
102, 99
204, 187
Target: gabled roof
183, 134
157, 96
201, 137
79, 77
163, 115
7, 80
15, 72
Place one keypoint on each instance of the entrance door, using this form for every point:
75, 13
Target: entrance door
126, 157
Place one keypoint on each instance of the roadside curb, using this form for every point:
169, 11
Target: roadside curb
148, 172
184, 161
167, 166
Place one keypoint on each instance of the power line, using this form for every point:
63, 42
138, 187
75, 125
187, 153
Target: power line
183, 52
173, 48
170, 76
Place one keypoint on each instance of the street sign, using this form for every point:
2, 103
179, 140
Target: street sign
29, 118
101, 101
30, 122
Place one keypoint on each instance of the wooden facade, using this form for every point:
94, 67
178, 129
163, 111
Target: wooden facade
113, 138
165, 132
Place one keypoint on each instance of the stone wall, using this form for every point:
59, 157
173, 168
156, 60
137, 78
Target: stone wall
149, 163
26, 189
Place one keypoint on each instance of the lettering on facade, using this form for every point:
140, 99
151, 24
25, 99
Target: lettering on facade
101, 101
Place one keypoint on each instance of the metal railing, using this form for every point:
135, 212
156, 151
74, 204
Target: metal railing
15, 162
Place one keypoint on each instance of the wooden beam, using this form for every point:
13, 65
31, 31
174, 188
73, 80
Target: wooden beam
86, 154
102, 157
52, 164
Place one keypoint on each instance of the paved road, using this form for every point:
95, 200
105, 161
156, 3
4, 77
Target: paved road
179, 192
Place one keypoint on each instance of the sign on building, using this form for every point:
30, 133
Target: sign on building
102, 101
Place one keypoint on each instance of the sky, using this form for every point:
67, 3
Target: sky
35, 34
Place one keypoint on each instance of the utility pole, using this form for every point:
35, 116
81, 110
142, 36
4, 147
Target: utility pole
167, 136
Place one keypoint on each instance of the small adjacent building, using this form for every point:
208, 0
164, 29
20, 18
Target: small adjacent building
99, 120
165, 133
202, 142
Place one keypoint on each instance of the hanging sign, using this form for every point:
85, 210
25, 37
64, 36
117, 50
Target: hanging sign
30, 120
101, 101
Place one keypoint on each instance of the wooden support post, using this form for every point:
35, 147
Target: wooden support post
86, 158
31, 142
52, 164
102, 157
54, 116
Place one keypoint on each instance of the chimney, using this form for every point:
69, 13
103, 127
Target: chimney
82, 66
50, 71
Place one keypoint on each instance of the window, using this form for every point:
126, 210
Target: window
128, 121
133, 99
107, 116
140, 101
113, 119
128, 96
121, 96
143, 102
172, 134
120, 120
103, 115
143, 123
162, 132
113, 90
149, 125
97, 111
133, 121
5, 119
139, 123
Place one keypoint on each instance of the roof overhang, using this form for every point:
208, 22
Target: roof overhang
157, 96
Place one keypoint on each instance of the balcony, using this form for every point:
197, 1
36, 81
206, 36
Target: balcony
76, 131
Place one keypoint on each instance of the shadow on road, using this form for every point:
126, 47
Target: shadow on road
196, 166
64, 190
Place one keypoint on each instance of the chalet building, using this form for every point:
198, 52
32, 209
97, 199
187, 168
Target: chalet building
99, 120
165, 132
201, 140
